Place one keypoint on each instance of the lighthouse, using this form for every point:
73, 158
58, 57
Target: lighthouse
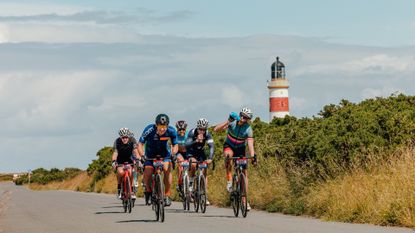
278, 91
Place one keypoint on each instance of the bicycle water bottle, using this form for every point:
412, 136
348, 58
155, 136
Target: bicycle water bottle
135, 178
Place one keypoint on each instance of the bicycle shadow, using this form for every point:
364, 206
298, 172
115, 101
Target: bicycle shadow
110, 212
213, 216
138, 220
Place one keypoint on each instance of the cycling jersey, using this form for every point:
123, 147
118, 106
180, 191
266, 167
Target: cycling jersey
197, 148
125, 151
237, 134
158, 144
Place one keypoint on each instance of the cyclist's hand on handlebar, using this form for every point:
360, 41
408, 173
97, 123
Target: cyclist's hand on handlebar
208, 161
114, 164
254, 160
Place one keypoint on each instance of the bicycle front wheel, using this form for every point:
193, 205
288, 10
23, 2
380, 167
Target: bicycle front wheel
160, 197
128, 194
202, 193
235, 196
243, 193
186, 193
196, 195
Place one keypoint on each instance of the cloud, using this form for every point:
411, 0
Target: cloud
4, 33
139, 15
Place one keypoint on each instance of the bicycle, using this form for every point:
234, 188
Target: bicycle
185, 192
157, 189
126, 189
199, 192
239, 194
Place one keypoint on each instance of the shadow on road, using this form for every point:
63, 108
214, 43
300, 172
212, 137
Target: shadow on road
136, 220
110, 212
114, 206
212, 216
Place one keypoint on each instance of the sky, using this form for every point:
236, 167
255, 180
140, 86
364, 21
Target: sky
73, 72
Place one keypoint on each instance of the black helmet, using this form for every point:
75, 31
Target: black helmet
181, 124
162, 119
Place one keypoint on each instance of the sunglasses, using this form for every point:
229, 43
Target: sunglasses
246, 118
201, 129
125, 137
181, 129
161, 126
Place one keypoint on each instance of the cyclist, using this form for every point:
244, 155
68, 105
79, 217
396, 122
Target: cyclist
239, 134
155, 137
196, 140
181, 127
125, 148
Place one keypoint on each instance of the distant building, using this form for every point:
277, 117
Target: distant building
278, 91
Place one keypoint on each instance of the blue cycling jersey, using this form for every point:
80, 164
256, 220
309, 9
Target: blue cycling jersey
158, 144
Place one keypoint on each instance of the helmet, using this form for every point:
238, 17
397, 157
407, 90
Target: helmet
202, 123
130, 133
162, 119
123, 132
181, 124
246, 112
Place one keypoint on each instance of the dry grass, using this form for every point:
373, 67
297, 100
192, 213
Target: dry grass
382, 194
78, 183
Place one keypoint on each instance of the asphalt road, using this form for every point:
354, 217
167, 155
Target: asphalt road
25, 211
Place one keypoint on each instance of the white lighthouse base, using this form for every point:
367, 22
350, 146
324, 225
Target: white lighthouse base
273, 115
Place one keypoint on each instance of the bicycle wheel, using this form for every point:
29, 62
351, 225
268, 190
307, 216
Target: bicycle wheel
243, 193
186, 193
235, 196
128, 194
154, 198
202, 193
160, 196
123, 201
196, 195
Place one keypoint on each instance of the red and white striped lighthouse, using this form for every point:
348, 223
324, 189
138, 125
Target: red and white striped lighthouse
278, 91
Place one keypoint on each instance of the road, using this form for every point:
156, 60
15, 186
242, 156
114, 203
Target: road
26, 211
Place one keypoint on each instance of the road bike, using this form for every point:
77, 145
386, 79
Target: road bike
199, 192
126, 189
184, 193
157, 189
239, 193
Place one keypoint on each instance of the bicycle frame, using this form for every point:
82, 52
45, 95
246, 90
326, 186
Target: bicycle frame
239, 194
126, 188
157, 188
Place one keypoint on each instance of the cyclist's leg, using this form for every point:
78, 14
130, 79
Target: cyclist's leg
180, 159
148, 171
168, 178
228, 153
192, 168
120, 174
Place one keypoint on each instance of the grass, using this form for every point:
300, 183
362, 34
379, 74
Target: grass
383, 193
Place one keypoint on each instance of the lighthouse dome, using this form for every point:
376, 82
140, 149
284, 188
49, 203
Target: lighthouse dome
277, 69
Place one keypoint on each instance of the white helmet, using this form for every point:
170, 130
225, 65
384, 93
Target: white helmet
130, 133
246, 112
202, 123
124, 132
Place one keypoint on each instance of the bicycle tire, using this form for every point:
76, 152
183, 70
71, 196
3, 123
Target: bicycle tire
202, 193
186, 193
196, 195
128, 194
154, 198
243, 193
160, 196
124, 203
235, 196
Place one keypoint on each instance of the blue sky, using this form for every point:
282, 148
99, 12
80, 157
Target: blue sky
74, 72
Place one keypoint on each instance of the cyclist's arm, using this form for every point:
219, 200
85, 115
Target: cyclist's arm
221, 126
173, 140
251, 146
189, 140
140, 149
115, 151
211, 144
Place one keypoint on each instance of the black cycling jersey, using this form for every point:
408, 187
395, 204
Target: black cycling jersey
196, 148
125, 151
